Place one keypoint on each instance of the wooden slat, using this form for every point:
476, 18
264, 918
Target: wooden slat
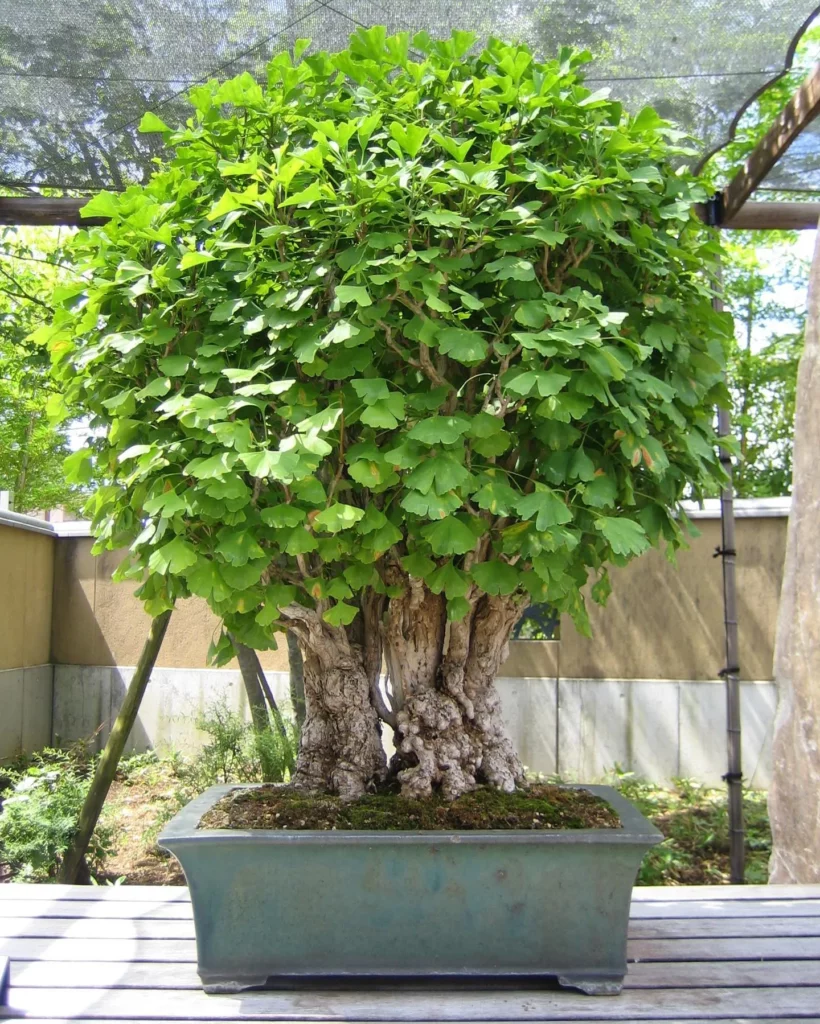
94, 928
723, 928
126, 893
178, 910
634, 1004
157, 929
201, 1020
723, 974
700, 953
116, 950
667, 893
718, 949
640, 894
210, 1020
96, 974
656, 910
799, 112
181, 909
184, 950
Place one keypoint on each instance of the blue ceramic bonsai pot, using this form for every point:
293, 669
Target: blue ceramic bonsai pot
277, 907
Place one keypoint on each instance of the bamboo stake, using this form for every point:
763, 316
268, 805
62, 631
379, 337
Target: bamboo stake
731, 671
73, 860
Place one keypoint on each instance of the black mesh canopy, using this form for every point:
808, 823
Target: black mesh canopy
77, 75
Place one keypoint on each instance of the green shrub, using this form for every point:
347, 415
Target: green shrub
236, 753
694, 819
40, 814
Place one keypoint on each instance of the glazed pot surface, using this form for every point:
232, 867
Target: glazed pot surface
277, 907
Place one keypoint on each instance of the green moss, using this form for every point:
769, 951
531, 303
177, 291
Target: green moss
537, 807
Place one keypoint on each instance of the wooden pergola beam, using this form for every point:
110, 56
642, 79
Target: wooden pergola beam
772, 217
44, 211
800, 111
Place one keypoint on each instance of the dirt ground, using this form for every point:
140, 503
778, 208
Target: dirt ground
138, 811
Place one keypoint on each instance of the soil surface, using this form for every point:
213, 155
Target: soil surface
537, 807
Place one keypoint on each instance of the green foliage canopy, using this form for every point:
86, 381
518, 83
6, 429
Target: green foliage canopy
444, 317
31, 449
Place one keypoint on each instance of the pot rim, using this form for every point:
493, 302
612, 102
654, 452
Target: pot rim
182, 829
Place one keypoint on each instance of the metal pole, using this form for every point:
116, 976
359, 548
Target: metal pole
731, 671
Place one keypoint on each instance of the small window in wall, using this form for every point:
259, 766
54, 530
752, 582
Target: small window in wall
539, 622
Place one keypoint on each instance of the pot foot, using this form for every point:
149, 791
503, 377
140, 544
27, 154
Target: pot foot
593, 985
223, 986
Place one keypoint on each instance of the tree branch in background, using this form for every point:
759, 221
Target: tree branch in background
261, 699
297, 679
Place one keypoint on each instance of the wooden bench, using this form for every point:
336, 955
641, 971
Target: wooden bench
127, 953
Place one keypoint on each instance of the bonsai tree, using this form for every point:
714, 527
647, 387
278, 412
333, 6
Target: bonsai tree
392, 346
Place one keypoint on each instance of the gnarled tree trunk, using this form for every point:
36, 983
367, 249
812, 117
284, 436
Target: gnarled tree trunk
445, 710
450, 720
340, 749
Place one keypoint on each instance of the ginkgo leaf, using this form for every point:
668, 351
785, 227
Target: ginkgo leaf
174, 557
546, 506
195, 259
497, 497
449, 536
600, 492
174, 366
467, 347
338, 517
151, 123
431, 505
353, 293
440, 429
384, 413
625, 536
371, 389
418, 565
495, 577
282, 516
341, 614
238, 546
448, 579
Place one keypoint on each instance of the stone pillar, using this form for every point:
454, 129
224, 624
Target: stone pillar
794, 798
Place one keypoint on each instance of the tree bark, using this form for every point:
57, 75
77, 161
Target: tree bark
443, 705
340, 748
248, 663
794, 797
450, 727
297, 680
261, 700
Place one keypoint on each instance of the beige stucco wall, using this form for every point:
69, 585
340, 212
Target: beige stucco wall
26, 571
660, 622
99, 622
667, 623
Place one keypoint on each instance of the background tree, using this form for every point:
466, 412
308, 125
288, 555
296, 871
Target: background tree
764, 286
382, 356
32, 451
